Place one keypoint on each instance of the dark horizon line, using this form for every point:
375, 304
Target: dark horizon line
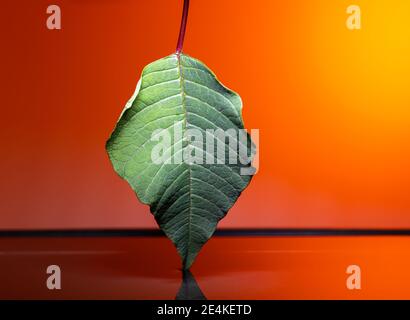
237, 232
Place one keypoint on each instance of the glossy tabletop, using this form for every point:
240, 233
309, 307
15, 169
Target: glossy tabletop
249, 267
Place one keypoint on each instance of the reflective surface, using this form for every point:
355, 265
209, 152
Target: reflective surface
227, 268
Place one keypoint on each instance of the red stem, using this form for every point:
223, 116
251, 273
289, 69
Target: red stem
182, 29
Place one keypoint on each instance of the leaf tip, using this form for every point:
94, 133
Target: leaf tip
187, 261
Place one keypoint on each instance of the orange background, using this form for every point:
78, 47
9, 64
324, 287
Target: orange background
332, 106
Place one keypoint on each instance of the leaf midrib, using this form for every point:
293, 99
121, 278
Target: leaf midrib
182, 87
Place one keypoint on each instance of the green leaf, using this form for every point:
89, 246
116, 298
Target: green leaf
187, 198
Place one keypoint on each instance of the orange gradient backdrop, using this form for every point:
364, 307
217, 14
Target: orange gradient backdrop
332, 106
